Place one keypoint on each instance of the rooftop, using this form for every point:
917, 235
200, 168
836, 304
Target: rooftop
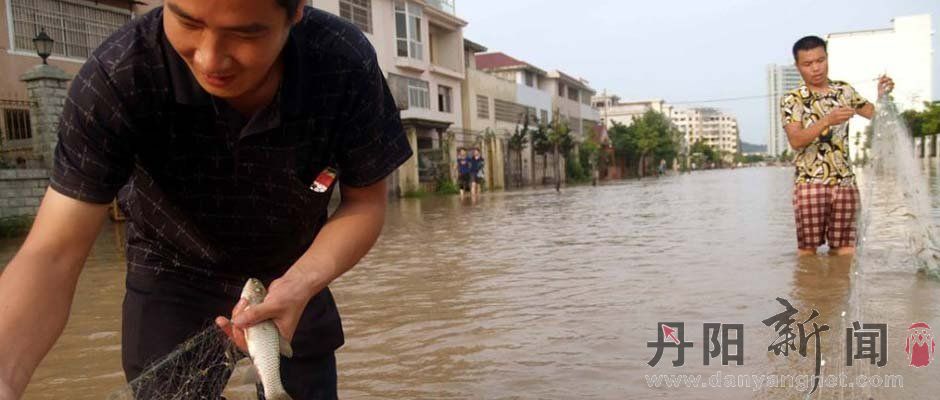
502, 61
577, 82
474, 47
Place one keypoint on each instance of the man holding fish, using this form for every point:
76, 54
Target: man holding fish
222, 127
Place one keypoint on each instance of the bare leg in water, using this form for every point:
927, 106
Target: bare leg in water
842, 251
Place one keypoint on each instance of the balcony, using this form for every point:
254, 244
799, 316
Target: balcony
446, 6
446, 48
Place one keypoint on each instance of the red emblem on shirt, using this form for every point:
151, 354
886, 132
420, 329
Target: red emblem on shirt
324, 180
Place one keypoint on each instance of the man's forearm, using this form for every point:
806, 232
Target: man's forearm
343, 241
37, 286
867, 111
37, 296
803, 137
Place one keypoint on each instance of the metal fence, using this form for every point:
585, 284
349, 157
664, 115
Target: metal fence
543, 168
431, 165
15, 120
513, 167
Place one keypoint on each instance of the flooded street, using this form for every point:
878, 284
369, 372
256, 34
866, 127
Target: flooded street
537, 295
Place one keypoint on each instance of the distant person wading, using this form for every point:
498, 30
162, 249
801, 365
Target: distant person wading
464, 176
477, 172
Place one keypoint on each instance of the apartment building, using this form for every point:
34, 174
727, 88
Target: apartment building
419, 44
712, 126
612, 109
499, 92
573, 101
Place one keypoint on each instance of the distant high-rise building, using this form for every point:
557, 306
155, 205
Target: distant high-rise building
780, 80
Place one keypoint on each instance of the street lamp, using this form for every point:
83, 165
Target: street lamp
43, 44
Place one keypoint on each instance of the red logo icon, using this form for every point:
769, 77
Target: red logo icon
920, 345
670, 333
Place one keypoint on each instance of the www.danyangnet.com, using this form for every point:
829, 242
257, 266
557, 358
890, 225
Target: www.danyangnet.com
758, 382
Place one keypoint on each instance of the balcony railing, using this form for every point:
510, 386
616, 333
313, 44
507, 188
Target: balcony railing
443, 5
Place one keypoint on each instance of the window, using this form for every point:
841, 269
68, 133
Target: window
419, 96
587, 125
425, 143
529, 79
573, 94
508, 111
16, 124
530, 111
359, 12
561, 89
77, 27
409, 92
483, 107
544, 115
445, 99
408, 30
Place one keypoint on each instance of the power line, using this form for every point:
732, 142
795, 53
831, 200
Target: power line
719, 100
754, 97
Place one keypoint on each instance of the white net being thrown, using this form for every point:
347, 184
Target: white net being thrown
894, 177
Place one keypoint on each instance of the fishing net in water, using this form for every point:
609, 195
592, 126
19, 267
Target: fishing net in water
895, 182
206, 366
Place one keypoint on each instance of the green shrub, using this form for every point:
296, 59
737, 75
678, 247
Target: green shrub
15, 226
447, 187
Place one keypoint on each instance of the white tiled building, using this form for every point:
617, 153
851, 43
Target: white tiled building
904, 51
612, 109
710, 125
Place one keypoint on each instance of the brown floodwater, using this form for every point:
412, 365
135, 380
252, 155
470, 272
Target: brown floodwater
533, 294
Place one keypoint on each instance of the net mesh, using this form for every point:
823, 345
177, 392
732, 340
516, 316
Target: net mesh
207, 366
893, 189
895, 183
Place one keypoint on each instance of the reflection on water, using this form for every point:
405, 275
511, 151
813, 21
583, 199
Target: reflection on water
533, 294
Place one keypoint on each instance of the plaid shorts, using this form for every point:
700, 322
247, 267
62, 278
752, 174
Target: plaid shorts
825, 212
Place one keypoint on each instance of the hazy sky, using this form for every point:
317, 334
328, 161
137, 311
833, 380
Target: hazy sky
677, 50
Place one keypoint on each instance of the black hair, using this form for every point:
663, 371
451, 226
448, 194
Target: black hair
290, 6
808, 43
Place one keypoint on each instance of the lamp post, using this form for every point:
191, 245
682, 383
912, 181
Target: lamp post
46, 87
43, 44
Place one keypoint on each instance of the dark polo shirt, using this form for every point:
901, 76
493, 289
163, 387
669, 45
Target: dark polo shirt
212, 197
